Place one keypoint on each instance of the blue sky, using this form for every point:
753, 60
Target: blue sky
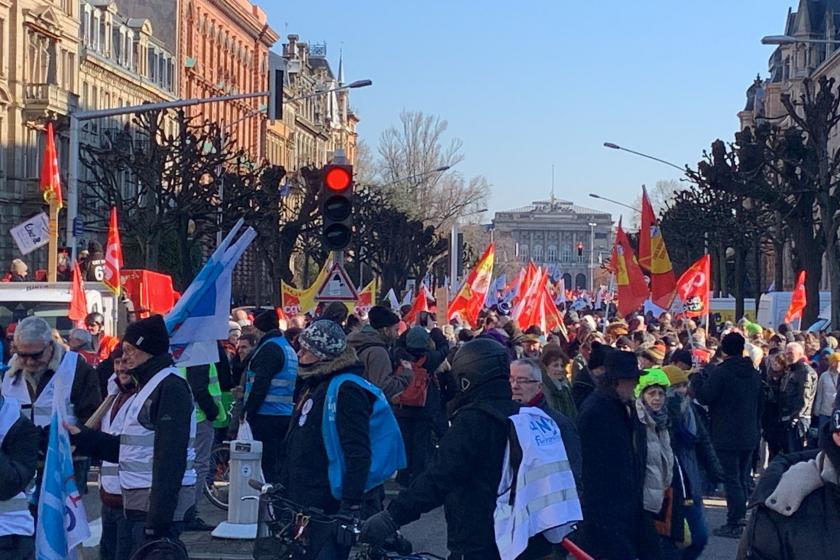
533, 84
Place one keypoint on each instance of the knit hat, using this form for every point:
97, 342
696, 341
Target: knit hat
325, 339
417, 338
622, 365
733, 344
655, 353
267, 321
617, 329
675, 375
149, 335
752, 329
381, 317
651, 378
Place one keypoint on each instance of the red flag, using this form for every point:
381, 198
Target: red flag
50, 180
113, 255
78, 301
632, 288
693, 288
470, 298
526, 310
550, 316
526, 277
798, 300
653, 257
420, 303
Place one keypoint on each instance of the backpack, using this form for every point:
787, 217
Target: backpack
414, 395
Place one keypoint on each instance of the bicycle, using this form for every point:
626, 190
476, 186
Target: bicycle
289, 531
217, 487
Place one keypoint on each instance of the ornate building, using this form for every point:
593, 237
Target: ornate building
552, 232
39, 81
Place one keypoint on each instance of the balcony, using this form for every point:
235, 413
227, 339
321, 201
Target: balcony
49, 97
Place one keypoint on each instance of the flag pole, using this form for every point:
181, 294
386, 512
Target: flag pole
611, 290
52, 260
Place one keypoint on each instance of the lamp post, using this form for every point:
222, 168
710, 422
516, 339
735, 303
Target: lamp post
599, 197
592, 257
789, 40
613, 146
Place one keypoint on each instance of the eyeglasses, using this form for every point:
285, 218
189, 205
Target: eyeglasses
33, 355
522, 381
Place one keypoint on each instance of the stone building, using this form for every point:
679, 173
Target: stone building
39, 81
551, 232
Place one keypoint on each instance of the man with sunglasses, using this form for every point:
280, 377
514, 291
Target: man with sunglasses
30, 378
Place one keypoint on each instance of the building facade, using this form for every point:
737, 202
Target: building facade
39, 67
558, 233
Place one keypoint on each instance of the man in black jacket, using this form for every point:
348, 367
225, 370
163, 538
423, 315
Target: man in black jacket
615, 525
797, 391
733, 393
464, 474
158, 485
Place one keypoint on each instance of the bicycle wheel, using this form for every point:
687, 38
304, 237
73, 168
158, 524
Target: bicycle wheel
217, 485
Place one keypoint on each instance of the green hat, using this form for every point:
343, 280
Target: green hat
651, 377
752, 329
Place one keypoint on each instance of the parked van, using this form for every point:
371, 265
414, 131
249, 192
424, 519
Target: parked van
773, 306
723, 309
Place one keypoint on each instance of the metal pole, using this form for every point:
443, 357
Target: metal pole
72, 185
453, 259
592, 258
221, 171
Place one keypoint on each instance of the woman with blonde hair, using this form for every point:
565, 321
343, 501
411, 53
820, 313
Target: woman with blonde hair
827, 390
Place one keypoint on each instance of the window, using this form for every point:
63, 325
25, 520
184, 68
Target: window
566, 254
552, 254
523, 251
538, 253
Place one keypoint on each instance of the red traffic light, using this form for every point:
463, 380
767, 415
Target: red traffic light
338, 178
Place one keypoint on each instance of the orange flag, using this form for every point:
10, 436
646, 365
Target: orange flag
550, 316
50, 180
78, 301
420, 304
693, 288
798, 300
632, 288
470, 298
113, 255
653, 257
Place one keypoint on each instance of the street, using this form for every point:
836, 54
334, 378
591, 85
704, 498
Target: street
428, 534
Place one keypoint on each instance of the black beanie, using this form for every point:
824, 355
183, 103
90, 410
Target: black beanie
622, 365
267, 321
732, 344
381, 317
149, 335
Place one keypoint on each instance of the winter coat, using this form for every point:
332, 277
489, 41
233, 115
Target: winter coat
378, 367
692, 447
305, 472
583, 383
558, 393
18, 458
432, 360
464, 474
797, 513
798, 389
167, 412
615, 525
659, 461
826, 393
733, 393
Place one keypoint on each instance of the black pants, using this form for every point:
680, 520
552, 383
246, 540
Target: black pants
115, 543
17, 547
736, 482
417, 437
271, 431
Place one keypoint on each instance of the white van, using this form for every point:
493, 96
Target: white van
51, 300
773, 306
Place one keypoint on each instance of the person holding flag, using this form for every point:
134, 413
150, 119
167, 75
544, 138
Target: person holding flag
153, 449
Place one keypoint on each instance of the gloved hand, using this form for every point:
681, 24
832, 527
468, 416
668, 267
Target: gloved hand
377, 528
350, 510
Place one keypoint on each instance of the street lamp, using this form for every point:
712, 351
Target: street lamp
789, 40
613, 146
441, 169
599, 197
592, 257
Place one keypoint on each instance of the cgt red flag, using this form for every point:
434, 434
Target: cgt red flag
798, 300
78, 300
421, 303
632, 288
113, 255
653, 257
50, 180
693, 288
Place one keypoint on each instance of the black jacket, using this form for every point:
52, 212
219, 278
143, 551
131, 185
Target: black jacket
18, 458
694, 450
614, 453
464, 474
167, 412
433, 360
264, 363
306, 467
797, 390
582, 386
809, 533
734, 394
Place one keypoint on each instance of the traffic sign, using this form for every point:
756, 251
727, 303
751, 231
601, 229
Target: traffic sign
337, 286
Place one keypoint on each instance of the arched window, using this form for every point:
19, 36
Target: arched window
580, 281
567, 281
523, 252
551, 256
538, 253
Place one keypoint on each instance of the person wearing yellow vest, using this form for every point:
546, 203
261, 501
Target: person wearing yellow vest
18, 459
209, 409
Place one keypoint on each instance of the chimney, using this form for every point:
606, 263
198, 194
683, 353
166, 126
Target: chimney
291, 47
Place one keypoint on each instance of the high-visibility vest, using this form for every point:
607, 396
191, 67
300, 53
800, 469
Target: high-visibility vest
278, 401
137, 443
215, 391
40, 412
109, 473
15, 518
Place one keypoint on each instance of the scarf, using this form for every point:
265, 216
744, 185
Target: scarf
660, 417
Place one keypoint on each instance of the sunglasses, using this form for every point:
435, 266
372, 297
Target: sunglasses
33, 355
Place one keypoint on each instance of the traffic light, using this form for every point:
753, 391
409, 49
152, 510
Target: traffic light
580, 248
337, 206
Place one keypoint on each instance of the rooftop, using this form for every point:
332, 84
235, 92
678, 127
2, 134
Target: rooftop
553, 206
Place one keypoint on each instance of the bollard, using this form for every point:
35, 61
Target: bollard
241, 523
